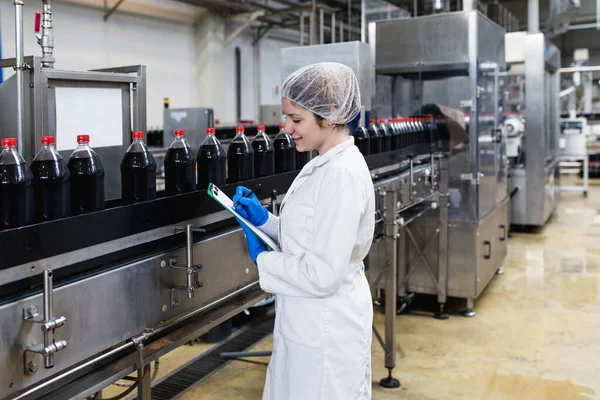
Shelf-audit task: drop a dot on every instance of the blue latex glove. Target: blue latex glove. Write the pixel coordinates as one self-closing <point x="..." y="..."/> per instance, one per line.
<point x="255" y="245"/>
<point x="250" y="207"/>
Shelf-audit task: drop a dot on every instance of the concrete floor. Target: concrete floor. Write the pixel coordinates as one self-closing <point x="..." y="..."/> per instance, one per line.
<point x="536" y="334"/>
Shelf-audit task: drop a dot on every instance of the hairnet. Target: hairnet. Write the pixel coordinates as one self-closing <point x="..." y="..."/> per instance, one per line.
<point x="327" y="89"/>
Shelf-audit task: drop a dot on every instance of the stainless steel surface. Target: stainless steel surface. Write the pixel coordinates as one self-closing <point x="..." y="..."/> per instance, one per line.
<point x="355" y="55"/>
<point x="539" y="61"/>
<point x="193" y="121"/>
<point x="19" y="67"/>
<point x="98" y="322"/>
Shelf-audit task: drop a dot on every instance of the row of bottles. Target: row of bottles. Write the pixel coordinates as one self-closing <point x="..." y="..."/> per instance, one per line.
<point x="396" y="134"/>
<point x="50" y="188"/>
<point x="247" y="159"/>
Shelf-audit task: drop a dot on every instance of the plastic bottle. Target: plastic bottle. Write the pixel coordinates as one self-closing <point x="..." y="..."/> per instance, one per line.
<point x="393" y="126"/>
<point x="362" y="140"/>
<point x="386" y="136"/>
<point x="138" y="172"/>
<point x="212" y="161"/>
<point x="302" y="158"/>
<point x="180" y="166"/>
<point x="240" y="158"/>
<point x="264" y="161"/>
<point x="285" y="152"/>
<point x="87" y="178"/>
<point x="376" y="145"/>
<point x="16" y="193"/>
<point x="51" y="189"/>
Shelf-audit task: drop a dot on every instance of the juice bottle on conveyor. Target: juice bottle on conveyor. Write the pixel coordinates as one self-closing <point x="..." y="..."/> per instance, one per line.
<point x="138" y="172"/>
<point x="180" y="166"/>
<point x="240" y="158"/>
<point x="16" y="193"/>
<point x="264" y="161"/>
<point x="302" y="158"/>
<point x="285" y="152"/>
<point x="393" y="124"/>
<point x="362" y="140"/>
<point x="51" y="189"/>
<point x="375" y="135"/>
<point x="212" y="161"/>
<point x="87" y="178"/>
<point x="386" y="136"/>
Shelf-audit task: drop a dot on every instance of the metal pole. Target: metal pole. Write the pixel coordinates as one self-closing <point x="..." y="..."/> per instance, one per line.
<point x="363" y="21"/>
<point x="468" y="5"/>
<point x="189" y="236"/>
<point x="349" y="20"/>
<point x="19" y="67"/>
<point x="49" y="359"/>
<point x="333" y="27"/>
<point x="302" y="28"/>
<point x="313" y="23"/>
<point x="341" y="30"/>
<point x="415" y="8"/>
<point x="533" y="16"/>
<point x="322" y="25"/>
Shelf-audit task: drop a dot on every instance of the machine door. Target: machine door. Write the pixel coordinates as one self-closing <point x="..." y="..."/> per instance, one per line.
<point x="488" y="134"/>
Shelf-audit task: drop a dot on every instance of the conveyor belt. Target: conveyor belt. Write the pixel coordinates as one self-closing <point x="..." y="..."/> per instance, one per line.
<point x="209" y="362"/>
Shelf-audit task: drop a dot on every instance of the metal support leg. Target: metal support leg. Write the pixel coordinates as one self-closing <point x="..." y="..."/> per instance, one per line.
<point x="586" y="175"/>
<point x="443" y="239"/>
<point x="391" y="286"/>
<point x="469" y="312"/>
<point x="144" y="376"/>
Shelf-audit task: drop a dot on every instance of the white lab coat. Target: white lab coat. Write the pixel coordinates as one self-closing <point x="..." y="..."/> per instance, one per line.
<point x="324" y="313"/>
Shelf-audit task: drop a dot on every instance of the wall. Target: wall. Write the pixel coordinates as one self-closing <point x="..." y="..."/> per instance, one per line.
<point x="84" y="41"/>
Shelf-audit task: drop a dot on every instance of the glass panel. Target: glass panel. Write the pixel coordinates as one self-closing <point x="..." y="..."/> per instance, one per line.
<point x="487" y="110"/>
<point x="513" y="115"/>
<point x="501" y="158"/>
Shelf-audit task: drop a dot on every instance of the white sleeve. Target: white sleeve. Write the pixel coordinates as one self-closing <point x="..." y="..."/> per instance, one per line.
<point x="271" y="227"/>
<point x="321" y="268"/>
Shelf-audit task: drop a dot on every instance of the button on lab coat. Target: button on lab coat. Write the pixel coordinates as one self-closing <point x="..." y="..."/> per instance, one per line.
<point x="324" y="313"/>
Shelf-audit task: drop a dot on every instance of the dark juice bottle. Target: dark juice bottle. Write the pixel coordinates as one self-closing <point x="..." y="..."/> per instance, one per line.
<point x="240" y="158"/>
<point x="362" y="140"/>
<point x="302" y="158"/>
<point x="386" y="136"/>
<point x="138" y="172"/>
<point x="51" y="189"/>
<point x="180" y="166"/>
<point x="212" y="162"/>
<point x="87" y="178"/>
<point x="16" y="193"/>
<point x="285" y="152"/>
<point x="264" y="162"/>
<point x="393" y="127"/>
<point x="375" y="135"/>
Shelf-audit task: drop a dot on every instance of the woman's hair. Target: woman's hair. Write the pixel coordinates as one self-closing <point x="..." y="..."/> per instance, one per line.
<point x="328" y="90"/>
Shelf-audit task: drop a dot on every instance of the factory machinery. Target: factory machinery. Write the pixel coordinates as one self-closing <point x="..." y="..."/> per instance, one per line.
<point x="89" y="299"/>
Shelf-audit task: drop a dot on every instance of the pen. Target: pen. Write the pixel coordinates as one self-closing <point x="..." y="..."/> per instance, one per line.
<point x="248" y="194"/>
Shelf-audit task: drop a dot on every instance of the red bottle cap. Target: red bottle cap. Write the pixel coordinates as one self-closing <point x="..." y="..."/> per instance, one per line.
<point x="382" y="121"/>
<point x="281" y="127"/>
<point x="210" y="131"/>
<point x="371" y="121"/>
<point x="239" y="129"/>
<point x="47" y="140"/>
<point x="137" y="135"/>
<point x="179" y="133"/>
<point x="260" y="128"/>
<point x="9" y="142"/>
<point x="83" y="138"/>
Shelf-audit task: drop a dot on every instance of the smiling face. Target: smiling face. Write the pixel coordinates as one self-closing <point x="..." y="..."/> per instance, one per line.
<point x="303" y="126"/>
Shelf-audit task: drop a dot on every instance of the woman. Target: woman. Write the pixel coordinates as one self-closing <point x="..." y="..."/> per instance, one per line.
<point x="322" y="335"/>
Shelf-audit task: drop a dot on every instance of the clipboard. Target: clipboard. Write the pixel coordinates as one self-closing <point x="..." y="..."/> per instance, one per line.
<point x="227" y="203"/>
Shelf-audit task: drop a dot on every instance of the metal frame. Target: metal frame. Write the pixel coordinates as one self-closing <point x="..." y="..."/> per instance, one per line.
<point x="579" y="161"/>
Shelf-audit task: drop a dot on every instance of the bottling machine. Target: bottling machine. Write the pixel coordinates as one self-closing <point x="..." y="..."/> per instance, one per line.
<point x="532" y="86"/>
<point x="458" y="80"/>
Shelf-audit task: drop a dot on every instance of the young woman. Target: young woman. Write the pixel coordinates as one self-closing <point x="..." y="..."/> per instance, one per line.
<point x="322" y="336"/>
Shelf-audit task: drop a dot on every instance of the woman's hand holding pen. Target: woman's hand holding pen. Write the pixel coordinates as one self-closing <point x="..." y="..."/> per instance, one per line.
<point x="250" y="207"/>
